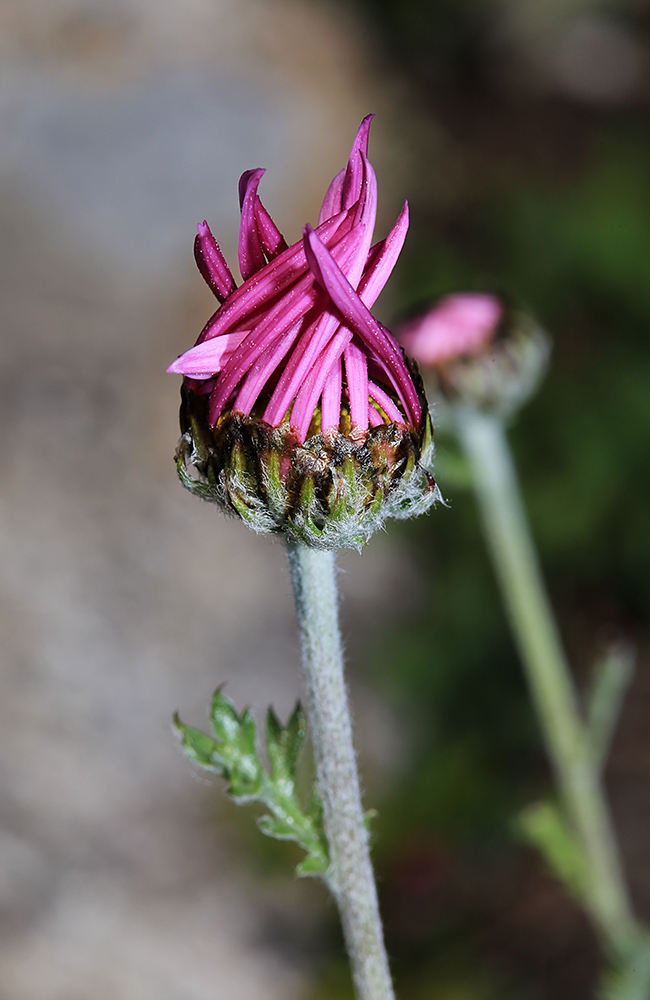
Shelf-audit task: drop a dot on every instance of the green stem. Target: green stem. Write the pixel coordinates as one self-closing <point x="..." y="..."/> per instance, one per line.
<point x="517" y="568"/>
<point x="350" y="875"/>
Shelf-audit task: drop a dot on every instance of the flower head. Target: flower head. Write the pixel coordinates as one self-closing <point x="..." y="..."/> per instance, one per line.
<point x="477" y="352"/>
<point x="293" y="389"/>
<point x="457" y="325"/>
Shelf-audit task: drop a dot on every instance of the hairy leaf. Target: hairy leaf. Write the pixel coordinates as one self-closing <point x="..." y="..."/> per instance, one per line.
<point x="232" y="752"/>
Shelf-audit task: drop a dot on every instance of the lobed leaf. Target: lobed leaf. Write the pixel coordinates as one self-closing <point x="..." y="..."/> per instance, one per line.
<point x="233" y="754"/>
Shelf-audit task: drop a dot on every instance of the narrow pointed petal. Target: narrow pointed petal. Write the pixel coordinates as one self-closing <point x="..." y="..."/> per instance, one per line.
<point x="374" y="417"/>
<point x="274" y="325"/>
<point x="251" y="255"/>
<point x="272" y="281"/>
<point x="212" y="264"/>
<point x="382" y="259"/>
<point x="354" y="170"/>
<point x="357" y="316"/>
<point x="356" y="371"/>
<point x="332" y="200"/>
<point x="348" y="182"/>
<point x="367" y="202"/>
<point x="298" y="367"/>
<point x="206" y="359"/>
<point x="386" y="403"/>
<point x="312" y="342"/>
<point x="295" y="303"/>
<point x="244" y="181"/>
<point x="330" y="412"/>
<point x="260" y="373"/>
<point x="272" y="240"/>
<point x="311" y="389"/>
<point x="365" y="216"/>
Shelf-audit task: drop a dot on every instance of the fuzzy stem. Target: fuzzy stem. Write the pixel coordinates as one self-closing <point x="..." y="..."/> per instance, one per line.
<point x="350" y="875"/>
<point x="517" y="568"/>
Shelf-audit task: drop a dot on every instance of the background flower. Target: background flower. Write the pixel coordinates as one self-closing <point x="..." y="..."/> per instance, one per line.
<point x="459" y="324"/>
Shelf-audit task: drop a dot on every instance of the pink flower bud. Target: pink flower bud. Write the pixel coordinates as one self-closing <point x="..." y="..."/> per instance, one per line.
<point x="458" y="324"/>
<point x="293" y="364"/>
<point x="476" y="352"/>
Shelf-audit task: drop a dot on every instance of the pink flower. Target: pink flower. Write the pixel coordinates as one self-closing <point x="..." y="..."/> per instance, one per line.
<point x="478" y="352"/>
<point x="300" y="413"/>
<point x="457" y="325"/>
<point x="296" y="341"/>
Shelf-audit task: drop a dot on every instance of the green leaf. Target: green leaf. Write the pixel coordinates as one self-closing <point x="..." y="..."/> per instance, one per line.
<point x="544" y="827"/>
<point x="237" y="747"/>
<point x="312" y="865"/>
<point x="234" y="754"/>
<point x="199" y="747"/>
<point x="283" y="745"/>
<point x="279" y="829"/>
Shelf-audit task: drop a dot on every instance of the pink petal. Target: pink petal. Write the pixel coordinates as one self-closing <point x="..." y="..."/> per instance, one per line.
<point x="330" y="415"/>
<point x="251" y="256"/>
<point x="212" y="264"/>
<point x="374" y="417"/>
<point x="244" y="181"/>
<point x="206" y="359"/>
<point x="367" y="201"/>
<point x="272" y="240"/>
<point x="386" y="403"/>
<point x="354" y="170"/>
<point x="360" y="320"/>
<point x="332" y="200"/>
<point x="311" y="389"/>
<point x="259" y="375"/>
<point x="382" y="259"/>
<point x="356" y="371"/>
<point x="272" y="281"/>
<point x="365" y="217"/>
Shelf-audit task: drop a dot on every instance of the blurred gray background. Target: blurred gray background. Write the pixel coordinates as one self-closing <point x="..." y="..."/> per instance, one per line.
<point x="123" y="123"/>
<point x="518" y="130"/>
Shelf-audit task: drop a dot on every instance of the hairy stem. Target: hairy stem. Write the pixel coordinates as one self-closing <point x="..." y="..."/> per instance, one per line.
<point x="578" y="775"/>
<point x="350" y="876"/>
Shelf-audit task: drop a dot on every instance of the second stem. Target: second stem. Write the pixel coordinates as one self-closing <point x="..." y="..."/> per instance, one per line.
<point x="515" y="561"/>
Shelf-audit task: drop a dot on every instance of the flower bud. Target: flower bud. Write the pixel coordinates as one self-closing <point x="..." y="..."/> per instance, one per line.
<point x="300" y="412"/>
<point x="477" y="352"/>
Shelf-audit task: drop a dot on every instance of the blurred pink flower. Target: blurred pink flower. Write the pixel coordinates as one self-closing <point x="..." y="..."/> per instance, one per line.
<point x="298" y="331"/>
<point x="457" y="325"/>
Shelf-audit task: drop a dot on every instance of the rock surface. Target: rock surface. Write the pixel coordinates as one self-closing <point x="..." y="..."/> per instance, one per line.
<point x="123" y="598"/>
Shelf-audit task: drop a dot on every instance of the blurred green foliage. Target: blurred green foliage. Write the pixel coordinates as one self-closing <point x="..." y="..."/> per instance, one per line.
<point x="469" y="911"/>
